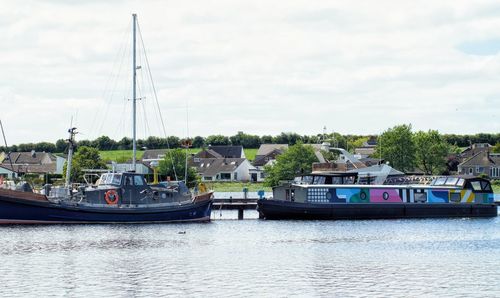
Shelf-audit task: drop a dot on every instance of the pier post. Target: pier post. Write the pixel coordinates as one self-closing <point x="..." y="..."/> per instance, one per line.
<point x="240" y="213"/>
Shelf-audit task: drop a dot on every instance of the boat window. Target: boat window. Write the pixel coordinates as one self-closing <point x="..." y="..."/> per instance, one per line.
<point x="451" y="181"/>
<point x="103" y="179"/>
<point x="485" y="185"/>
<point x="138" y="180"/>
<point x="307" y="179"/>
<point x="461" y="182"/>
<point x="107" y="179"/>
<point x="349" y="180"/>
<point x="128" y="180"/>
<point x="476" y="185"/>
<point x="297" y="179"/>
<point x="117" y="179"/>
<point x="319" y="180"/>
<point x="336" y="180"/>
<point x="440" y="181"/>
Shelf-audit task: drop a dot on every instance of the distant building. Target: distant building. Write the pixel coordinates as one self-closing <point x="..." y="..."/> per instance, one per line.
<point x="222" y="169"/>
<point x="483" y="162"/>
<point x="267" y="153"/>
<point x="474" y="149"/>
<point x="222" y="152"/>
<point x="367" y="150"/>
<point x="33" y="163"/>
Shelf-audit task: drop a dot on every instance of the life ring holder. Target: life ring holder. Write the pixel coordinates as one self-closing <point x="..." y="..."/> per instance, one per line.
<point x="111" y="197"/>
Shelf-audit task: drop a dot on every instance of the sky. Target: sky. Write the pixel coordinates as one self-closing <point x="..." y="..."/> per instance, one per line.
<point x="261" y="67"/>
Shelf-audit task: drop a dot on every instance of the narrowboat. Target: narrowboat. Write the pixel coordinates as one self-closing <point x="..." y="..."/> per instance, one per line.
<point x="342" y="196"/>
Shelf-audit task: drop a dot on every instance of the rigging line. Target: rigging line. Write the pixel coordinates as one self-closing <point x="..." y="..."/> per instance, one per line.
<point x="157" y="103"/>
<point x="6" y="148"/>
<point x="126" y="51"/>
<point x="142" y="97"/>
<point x="111" y="76"/>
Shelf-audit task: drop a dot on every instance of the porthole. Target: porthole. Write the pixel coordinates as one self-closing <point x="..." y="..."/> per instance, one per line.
<point x="385" y="195"/>
<point x="362" y="195"/>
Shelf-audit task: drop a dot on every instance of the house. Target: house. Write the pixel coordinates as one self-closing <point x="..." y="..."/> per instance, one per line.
<point x="33" y="162"/>
<point x="154" y="155"/>
<point x="367" y="150"/>
<point x="7" y="172"/>
<point x="222" y="152"/>
<point x="222" y="169"/>
<point x="474" y="149"/>
<point x="483" y="162"/>
<point x="268" y="153"/>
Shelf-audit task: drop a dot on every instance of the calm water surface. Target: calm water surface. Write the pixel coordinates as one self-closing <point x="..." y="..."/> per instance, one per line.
<point x="227" y="258"/>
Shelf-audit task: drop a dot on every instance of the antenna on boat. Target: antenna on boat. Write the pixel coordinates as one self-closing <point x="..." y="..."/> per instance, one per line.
<point x="134" y="71"/>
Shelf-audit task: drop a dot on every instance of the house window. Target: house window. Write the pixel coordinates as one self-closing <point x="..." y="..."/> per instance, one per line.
<point x="207" y="178"/>
<point x="235" y="175"/>
<point x="262" y="175"/>
<point x="225" y="176"/>
<point x="471" y="171"/>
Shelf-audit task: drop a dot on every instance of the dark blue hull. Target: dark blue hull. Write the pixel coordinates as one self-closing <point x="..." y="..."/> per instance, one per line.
<point x="28" y="211"/>
<point x="276" y="209"/>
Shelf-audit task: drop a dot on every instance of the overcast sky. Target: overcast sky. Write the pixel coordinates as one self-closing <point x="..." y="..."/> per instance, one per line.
<point x="261" y="67"/>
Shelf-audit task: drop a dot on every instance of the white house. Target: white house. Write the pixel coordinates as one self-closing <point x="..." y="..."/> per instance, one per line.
<point x="222" y="169"/>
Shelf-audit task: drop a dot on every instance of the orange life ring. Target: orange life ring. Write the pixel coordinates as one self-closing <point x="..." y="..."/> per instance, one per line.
<point x="111" y="197"/>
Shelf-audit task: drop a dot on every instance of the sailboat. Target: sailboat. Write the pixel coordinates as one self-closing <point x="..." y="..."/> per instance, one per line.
<point x="118" y="198"/>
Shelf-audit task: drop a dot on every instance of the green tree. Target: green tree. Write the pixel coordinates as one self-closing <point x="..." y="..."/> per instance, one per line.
<point x="175" y="163"/>
<point x="396" y="146"/>
<point x="216" y="140"/>
<point x="84" y="158"/>
<point x="496" y="148"/>
<point x="198" y="142"/>
<point x="356" y="142"/>
<point x="431" y="151"/>
<point x="298" y="159"/>
<point x="61" y="145"/>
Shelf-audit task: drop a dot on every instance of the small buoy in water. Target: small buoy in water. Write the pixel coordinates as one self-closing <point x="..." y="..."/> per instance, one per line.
<point x="182" y="232"/>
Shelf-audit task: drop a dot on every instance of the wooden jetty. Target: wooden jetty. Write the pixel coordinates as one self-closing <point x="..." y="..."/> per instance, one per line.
<point x="239" y="204"/>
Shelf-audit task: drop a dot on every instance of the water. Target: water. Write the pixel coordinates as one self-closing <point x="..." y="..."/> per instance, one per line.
<point x="227" y="258"/>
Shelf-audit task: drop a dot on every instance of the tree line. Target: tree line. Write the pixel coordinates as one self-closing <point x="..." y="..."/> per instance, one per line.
<point x="105" y="143"/>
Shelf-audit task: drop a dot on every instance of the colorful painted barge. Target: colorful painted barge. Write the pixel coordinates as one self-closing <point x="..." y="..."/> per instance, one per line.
<point x="339" y="196"/>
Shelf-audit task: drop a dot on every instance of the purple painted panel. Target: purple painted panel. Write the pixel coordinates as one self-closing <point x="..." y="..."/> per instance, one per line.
<point x="385" y="196"/>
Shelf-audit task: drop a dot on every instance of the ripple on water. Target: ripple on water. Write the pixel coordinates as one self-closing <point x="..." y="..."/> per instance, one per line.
<point x="254" y="258"/>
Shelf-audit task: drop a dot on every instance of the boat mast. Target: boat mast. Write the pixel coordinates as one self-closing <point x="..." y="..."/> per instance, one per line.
<point x="134" y="70"/>
<point x="71" y="143"/>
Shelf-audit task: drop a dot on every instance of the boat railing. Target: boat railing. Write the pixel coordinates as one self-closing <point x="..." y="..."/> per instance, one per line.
<point x="407" y="180"/>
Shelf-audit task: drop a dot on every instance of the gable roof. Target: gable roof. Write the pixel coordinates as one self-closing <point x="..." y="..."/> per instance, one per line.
<point x="228" y="151"/>
<point x="154" y="154"/>
<point x="266" y="149"/>
<point x="208" y="153"/>
<point x="482" y="158"/>
<point x="213" y="166"/>
<point x="31" y="168"/>
<point x="31" y="158"/>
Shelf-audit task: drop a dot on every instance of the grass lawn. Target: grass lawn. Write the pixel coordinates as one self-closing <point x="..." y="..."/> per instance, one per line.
<point x="236" y="186"/>
<point x="124" y="155"/>
<point x="250" y="153"/>
<point x="119" y="155"/>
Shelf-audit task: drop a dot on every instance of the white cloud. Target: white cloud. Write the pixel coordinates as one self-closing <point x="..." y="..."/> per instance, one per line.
<point x="261" y="67"/>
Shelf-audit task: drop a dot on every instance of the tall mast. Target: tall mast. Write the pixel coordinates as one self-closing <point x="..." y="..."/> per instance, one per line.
<point x="71" y="143"/>
<point x="134" y="70"/>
